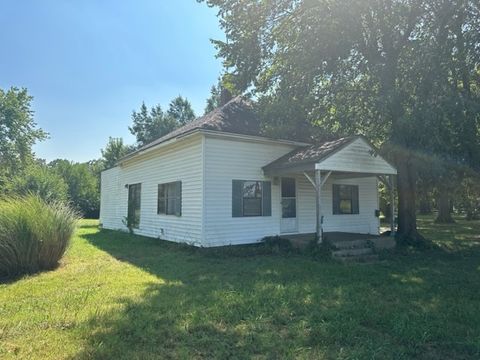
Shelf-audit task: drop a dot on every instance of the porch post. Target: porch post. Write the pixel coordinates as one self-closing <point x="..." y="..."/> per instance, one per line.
<point x="392" y="205"/>
<point x="318" y="202"/>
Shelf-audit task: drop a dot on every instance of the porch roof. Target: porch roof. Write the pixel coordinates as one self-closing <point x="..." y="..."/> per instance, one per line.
<point x="336" y="156"/>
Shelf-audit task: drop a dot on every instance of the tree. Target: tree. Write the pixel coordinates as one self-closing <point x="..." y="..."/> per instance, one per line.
<point x="213" y="101"/>
<point x="221" y="93"/>
<point x="468" y="196"/>
<point x="82" y="186"/>
<point x="403" y="72"/>
<point x="151" y="125"/>
<point x="114" y="151"/>
<point x="181" y="111"/>
<point x="38" y="179"/>
<point x="18" y="133"/>
<point x="148" y="126"/>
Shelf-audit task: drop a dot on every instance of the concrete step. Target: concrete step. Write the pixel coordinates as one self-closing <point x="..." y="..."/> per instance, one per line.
<point x="358" y="259"/>
<point x="351" y="244"/>
<point x="352" y="252"/>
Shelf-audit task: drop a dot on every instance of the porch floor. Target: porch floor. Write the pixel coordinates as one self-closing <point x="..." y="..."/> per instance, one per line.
<point x="302" y="240"/>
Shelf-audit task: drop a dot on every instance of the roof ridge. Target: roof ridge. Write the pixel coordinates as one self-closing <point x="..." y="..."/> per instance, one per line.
<point x="224" y="118"/>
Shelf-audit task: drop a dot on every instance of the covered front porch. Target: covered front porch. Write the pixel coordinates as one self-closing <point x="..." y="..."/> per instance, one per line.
<point x="343" y="177"/>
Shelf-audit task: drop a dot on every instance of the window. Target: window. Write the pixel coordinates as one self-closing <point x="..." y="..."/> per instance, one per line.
<point x="170" y="198"/>
<point x="289" y="200"/>
<point x="251" y="198"/>
<point x="133" y="211"/>
<point x="345" y="199"/>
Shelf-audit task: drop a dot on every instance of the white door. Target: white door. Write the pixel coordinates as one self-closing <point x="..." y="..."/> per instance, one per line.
<point x="288" y="222"/>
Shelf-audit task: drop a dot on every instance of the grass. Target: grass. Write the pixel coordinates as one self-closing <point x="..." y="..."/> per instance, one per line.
<point x="127" y="297"/>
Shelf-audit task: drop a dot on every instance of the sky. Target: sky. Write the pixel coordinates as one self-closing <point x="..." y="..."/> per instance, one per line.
<point x="90" y="63"/>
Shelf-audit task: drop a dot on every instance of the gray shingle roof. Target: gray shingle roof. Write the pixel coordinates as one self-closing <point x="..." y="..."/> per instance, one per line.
<point x="310" y="154"/>
<point x="236" y="116"/>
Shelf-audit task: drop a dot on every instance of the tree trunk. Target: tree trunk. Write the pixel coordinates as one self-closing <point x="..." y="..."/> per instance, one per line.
<point x="444" y="208"/>
<point x="406" y="187"/>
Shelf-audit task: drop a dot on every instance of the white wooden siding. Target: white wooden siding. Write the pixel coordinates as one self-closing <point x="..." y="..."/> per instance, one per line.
<point x="226" y="160"/>
<point x="206" y="165"/>
<point x="364" y="223"/>
<point x="181" y="161"/>
<point x="357" y="157"/>
<point x="110" y="206"/>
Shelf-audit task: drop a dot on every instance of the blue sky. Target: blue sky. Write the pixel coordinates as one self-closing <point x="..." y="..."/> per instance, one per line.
<point x="89" y="63"/>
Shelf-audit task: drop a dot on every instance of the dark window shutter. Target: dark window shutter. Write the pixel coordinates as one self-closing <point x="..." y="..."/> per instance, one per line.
<point x="267" y="198"/>
<point x="355" y="207"/>
<point x="178" y="198"/>
<point x="336" y="199"/>
<point x="237" y="198"/>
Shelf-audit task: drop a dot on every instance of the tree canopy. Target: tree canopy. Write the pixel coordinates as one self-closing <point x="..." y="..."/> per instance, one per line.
<point x="82" y="186"/>
<point x="114" y="151"/>
<point x="181" y="111"/>
<point x="403" y="72"/>
<point x="149" y="125"/>
<point x="18" y="133"/>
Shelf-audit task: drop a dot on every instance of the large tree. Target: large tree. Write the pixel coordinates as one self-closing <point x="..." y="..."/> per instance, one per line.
<point x="149" y="125"/>
<point x="39" y="179"/>
<point x="82" y="186"/>
<point x="403" y="72"/>
<point x="114" y="151"/>
<point x="18" y="133"/>
<point x="213" y="101"/>
<point x="181" y="110"/>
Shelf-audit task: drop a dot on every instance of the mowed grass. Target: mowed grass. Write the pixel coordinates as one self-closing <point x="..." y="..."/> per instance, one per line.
<point x="128" y="297"/>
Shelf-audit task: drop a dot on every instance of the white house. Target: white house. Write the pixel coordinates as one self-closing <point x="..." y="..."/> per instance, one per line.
<point x="217" y="182"/>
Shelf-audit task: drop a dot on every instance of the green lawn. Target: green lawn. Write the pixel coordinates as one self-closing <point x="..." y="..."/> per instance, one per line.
<point x="128" y="297"/>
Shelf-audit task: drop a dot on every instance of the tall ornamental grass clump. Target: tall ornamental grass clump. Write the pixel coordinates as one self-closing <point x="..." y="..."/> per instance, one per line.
<point x="34" y="234"/>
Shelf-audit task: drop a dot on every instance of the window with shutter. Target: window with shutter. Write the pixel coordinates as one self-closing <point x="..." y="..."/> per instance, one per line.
<point x="251" y="198"/>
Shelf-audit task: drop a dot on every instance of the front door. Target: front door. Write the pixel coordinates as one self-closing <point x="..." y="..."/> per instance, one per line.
<point x="288" y="222"/>
<point x="134" y="196"/>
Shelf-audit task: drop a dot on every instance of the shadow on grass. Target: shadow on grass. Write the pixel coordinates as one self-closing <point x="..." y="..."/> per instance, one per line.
<point x="214" y="306"/>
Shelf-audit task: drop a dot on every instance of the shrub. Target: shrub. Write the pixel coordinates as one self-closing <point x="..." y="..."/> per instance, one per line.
<point x="34" y="234"/>
<point x="278" y="244"/>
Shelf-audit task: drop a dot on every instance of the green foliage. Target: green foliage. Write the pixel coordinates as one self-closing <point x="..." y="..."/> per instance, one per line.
<point x="114" y="151"/>
<point x="18" y="133"/>
<point x="38" y="179"/>
<point x="34" y="234"/>
<point x="277" y="244"/>
<point x="150" y="125"/>
<point x="322" y="252"/>
<point x="213" y="101"/>
<point x="467" y="198"/>
<point x="119" y="296"/>
<point x="83" y="185"/>
<point x="181" y="111"/>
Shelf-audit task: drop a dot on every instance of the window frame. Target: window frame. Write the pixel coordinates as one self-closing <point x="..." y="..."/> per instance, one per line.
<point x="134" y="193"/>
<point x="167" y="198"/>
<point x="260" y="198"/>
<point x="264" y="198"/>
<point x="337" y="198"/>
